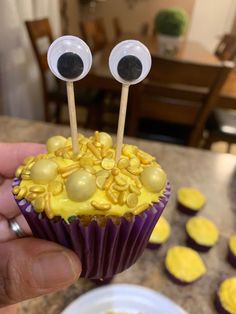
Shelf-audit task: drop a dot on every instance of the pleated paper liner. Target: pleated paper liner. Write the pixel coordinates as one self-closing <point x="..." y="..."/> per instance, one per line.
<point x="103" y="250"/>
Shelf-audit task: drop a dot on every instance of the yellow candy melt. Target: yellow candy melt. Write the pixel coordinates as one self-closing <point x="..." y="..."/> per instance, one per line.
<point x="91" y="182"/>
<point x="227" y="295"/>
<point x="153" y="178"/>
<point x="202" y="231"/>
<point x="55" y="143"/>
<point x="191" y="198"/>
<point x="232" y="244"/>
<point x="184" y="264"/>
<point x="161" y="231"/>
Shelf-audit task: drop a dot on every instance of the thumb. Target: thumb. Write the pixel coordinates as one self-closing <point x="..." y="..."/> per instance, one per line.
<point x="30" y="267"/>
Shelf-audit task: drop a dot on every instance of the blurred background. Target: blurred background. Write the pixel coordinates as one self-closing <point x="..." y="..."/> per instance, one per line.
<point x="189" y="97"/>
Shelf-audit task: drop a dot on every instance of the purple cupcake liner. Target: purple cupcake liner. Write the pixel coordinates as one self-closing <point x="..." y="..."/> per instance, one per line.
<point x="103" y="251"/>
<point x="196" y="246"/>
<point x="232" y="258"/>
<point x="186" y="210"/>
<point x="154" y="246"/>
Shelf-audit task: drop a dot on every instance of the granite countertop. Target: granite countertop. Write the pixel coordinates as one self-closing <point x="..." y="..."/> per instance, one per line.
<point x="214" y="174"/>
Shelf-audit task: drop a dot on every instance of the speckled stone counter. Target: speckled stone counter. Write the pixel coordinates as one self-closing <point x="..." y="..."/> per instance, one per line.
<point x="214" y="174"/>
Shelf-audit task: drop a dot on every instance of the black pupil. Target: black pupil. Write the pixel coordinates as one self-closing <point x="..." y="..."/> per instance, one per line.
<point x="129" y="68"/>
<point x="70" y="65"/>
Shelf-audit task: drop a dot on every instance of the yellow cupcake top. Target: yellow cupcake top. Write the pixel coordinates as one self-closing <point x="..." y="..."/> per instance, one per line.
<point x="202" y="230"/>
<point x="63" y="184"/>
<point x="161" y="232"/>
<point x="191" y="198"/>
<point x="232" y="244"/>
<point x="184" y="264"/>
<point x="227" y="295"/>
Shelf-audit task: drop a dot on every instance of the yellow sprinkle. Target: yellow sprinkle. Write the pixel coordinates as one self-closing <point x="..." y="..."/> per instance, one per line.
<point x="122" y="197"/>
<point x="16" y="190"/>
<point x="109" y="154"/>
<point x="138" y="183"/>
<point x="98" y="145"/>
<point x="141" y="208"/>
<point x="28" y="160"/>
<point x="120" y="187"/>
<point x="19" y="171"/>
<point x="115" y="171"/>
<point x="134" y="189"/>
<point x="94" y="150"/>
<point x="25" y="177"/>
<point x="85" y="161"/>
<point x="97" y="162"/>
<point x="39" y="204"/>
<point x="134" y="162"/>
<point x="97" y="136"/>
<point x="21" y="194"/>
<point x="119" y="180"/>
<point x="144" y="157"/>
<point x="101" y="206"/>
<point x="68" y="168"/>
<point x="135" y="171"/>
<point x="30" y="165"/>
<point x="129" y="150"/>
<point x="123" y="163"/>
<point x="90" y="169"/>
<point x="108" y="182"/>
<point x="108" y="164"/>
<point x="37" y="189"/>
<point x="103" y="173"/>
<point x="68" y="173"/>
<point x="100" y="181"/>
<point x="128" y="174"/>
<point x="55" y="187"/>
<point x="31" y="196"/>
<point x="104" y="152"/>
<point x="112" y="196"/>
<point x="132" y="200"/>
<point x="48" y="208"/>
<point x="26" y="172"/>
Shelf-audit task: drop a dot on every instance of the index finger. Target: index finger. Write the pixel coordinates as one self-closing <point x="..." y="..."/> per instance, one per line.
<point x="12" y="155"/>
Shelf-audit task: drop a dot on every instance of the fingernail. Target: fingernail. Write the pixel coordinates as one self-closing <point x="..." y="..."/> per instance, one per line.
<point x="54" y="270"/>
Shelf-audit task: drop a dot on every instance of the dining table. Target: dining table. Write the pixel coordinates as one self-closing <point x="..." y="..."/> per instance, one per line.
<point x="214" y="174"/>
<point x="192" y="51"/>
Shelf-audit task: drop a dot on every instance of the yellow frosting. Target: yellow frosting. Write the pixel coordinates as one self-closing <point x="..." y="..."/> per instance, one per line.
<point x="202" y="231"/>
<point x="191" y="198"/>
<point x="161" y="231"/>
<point x="184" y="264"/>
<point x="232" y="244"/>
<point x="91" y="182"/>
<point x="227" y="295"/>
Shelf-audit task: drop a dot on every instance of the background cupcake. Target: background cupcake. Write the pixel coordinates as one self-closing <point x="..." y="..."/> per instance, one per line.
<point x="226" y="297"/>
<point x="103" y="210"/>
<point x="202" y="234"/>
<point x="190" y="201"/>
<point x="232" y="251"/>
<point x="160" y="234"/>
<point x="184" y="265"/>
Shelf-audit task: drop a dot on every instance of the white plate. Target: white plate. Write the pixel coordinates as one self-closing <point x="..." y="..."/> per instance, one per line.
<point x="123" y="298"/>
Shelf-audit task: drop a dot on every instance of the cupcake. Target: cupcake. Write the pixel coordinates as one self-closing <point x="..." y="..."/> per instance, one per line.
<point x="160" y="234"/>
<point x="184" y="265"/>
<point x="226" y="297"/>
<point x="232" y="251"/>
<point x="102" y="209"/>
<point x="202" y="233"/>
<point x="190" y="201"/>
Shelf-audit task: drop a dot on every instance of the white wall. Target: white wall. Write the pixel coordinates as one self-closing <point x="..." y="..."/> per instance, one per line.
<point x="211" y="19"/>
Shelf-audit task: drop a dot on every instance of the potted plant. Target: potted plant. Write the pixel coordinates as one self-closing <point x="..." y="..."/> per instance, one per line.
<point x="170" y="25"/>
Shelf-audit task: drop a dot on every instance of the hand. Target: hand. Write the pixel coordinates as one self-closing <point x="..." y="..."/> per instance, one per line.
<point x="29" y="267"/>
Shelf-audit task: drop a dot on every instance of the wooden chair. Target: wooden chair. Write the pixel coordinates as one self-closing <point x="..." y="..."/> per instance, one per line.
<point x="178" y="92"/>
<point x="54" y="90"/>
<point x="221" y="126"/>
<point x="117" y="27"/>
<point x="226" y="49"/>
<point x="93" y="32"/>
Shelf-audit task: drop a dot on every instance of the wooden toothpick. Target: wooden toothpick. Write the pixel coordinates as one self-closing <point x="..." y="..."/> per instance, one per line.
<point x="121" y="121"/>
<point x="72" y="116"/>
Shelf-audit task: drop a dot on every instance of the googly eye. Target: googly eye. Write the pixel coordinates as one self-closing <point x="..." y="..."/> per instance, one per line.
<point x="69" y="58"/>
<point x="130" y="62"/>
